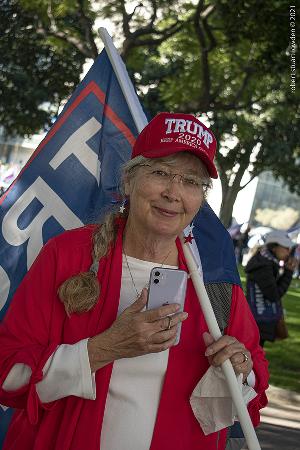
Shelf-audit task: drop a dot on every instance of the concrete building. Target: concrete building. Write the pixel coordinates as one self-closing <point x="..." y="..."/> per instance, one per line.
<point x="274" y="205"/>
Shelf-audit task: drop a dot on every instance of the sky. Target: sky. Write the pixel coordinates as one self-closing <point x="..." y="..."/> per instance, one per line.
<point x="243" y="204"/>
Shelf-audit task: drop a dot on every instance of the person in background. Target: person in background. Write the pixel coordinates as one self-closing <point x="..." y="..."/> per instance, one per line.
<point x="242" y="244"/>
<point x="267" y="283"/>
<point x="296" y="254"/>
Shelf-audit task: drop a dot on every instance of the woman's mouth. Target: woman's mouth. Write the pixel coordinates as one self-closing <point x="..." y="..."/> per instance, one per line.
<point x="166" y="212"/>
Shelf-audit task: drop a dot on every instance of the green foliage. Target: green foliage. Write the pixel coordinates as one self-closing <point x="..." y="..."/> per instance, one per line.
<point x="287" y="353"/>
<point x="280" y="143"/>
<point x="37" y="73"/>
<point x="228" y="61"/>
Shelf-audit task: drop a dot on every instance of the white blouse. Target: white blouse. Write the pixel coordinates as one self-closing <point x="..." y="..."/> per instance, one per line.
<point x="135" y="385"/>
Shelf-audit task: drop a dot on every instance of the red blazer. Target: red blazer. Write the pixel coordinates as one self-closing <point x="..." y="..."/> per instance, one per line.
<point x="36" y="323"/>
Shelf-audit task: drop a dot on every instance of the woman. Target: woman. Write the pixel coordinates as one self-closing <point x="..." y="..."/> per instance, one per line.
<point x="266" y="285"/>
<point x="85" y="363"/>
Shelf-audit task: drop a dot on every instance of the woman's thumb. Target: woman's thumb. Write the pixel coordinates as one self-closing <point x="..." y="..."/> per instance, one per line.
<point x="140" y="302"/>
<point x="208" y="339"/>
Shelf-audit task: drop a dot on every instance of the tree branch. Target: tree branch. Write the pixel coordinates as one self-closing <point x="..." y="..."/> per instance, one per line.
<point x="125" y="20"/>
<point x="148" y="29"/>
<point x="134" y="10"/>
<point x="205" y="15"/>
<point x="206" y="88"/>
<point x="251" y="178"/>
<point x="88" y="29"/>
<point x="91" y="50"/>
<point x="154" y="15"/>
<point x="67" y="38"/>
<point x="133" y="41"/>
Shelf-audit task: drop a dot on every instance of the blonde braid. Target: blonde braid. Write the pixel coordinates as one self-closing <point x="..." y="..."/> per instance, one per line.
<point x="80" y="293"/>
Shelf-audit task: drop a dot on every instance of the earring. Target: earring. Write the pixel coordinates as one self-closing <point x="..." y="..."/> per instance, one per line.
<point x="123" y="206"/>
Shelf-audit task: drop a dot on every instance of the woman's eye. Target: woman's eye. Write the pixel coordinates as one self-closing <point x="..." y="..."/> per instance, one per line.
<point x="191" y="181"/>
<point x="160" y="173"/>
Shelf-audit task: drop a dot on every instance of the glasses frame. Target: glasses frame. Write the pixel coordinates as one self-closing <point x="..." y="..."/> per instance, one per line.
<point x="202" y="185"/>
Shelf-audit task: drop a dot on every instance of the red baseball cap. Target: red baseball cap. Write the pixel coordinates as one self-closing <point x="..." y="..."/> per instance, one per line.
<point x="169" y="133"/>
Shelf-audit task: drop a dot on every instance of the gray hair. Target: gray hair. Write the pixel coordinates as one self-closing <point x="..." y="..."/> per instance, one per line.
<point x="129" y="170"/>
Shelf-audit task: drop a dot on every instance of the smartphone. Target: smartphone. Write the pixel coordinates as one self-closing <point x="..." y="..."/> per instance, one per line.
<point x="167" y="286"/>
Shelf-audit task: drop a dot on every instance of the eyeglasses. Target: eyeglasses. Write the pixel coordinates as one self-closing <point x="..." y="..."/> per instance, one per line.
<point x="189" y="182"/>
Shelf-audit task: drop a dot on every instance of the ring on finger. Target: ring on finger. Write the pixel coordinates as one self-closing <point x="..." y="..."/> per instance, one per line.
<point x="170" y="323"/>
<point x="246" y="357"/>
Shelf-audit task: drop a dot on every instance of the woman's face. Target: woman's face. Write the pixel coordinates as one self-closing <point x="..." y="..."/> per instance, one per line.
<point x="281" y="253"/>
<point x="161" y="204"/>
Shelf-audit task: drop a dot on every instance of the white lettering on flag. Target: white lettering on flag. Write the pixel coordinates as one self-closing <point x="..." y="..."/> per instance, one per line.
<point x="53" y="206"/>
<point x="5" y="287"/>
<point x="76" y="145"/>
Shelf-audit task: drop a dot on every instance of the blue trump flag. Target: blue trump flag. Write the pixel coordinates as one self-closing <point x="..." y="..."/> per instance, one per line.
<point x="69" y="179"/>
<point x="215" y="248"/>
<point x="73" y="176"/>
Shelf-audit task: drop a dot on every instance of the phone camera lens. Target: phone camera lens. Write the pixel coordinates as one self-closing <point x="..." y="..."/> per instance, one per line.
<point x="156" y="281"/>
<point x="157" y="274"/>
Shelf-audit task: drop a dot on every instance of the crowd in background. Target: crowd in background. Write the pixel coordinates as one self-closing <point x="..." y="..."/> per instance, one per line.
<point x="8" y="172"/>
<point x="246" y="240"/>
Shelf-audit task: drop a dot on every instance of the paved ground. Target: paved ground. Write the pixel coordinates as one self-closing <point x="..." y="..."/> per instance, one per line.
<point x="280" y="427"/>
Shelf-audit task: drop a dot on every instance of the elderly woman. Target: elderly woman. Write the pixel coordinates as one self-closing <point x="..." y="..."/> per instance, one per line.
<point x="82" y="360"/>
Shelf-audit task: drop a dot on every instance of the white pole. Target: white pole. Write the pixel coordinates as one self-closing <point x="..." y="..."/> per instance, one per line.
<point x="123" y="78"/>
<point x="141" y="121"/>
<point x="227" y="368"/>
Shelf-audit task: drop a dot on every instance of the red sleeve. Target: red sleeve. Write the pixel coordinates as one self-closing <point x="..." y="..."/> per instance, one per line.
<point x="243" y="326"/>
<point x="27" y="333"/>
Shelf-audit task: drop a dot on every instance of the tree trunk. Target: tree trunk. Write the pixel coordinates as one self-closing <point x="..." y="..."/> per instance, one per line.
<point x="228" y="200"/>
<point x="229" y="193"/>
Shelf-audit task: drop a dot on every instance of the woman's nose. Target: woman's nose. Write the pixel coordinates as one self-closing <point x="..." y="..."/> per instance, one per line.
<point x="173" y="177"/>
<point x="172" y="190"/>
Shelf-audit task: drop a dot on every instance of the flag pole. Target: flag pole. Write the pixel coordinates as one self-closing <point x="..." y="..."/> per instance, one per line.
<point x="214" y="330"/>
<point x="119" y="67"/>
<point x="141" y="121"/>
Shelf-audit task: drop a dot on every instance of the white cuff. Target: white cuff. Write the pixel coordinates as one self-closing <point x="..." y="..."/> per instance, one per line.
<point x="18" y="376"/>
<point x="67" y="372"/>
<point x="251" y="379"/>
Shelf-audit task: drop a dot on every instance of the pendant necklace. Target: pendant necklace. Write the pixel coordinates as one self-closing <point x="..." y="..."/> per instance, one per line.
<point x="147" y="285"/>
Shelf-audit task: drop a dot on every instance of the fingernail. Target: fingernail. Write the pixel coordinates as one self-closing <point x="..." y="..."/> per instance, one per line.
<point x="208" y="352"/>
<point x="185" y="315"/>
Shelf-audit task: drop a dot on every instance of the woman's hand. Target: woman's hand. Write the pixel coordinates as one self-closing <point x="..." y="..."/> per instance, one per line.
<point x="136" y="332"/>
<point x="228" y="347"/>
<point x="291" y="263"/>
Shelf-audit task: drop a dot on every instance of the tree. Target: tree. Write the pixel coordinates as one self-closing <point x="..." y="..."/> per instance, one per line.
<point x="42" y="50"/>
<point x="36" y="75"/>
<point x="197" y="56"/>
<point x="239" y="77"/>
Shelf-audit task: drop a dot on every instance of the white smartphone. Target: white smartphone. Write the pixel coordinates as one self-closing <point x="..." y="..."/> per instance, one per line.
<point x="167" y="286"/>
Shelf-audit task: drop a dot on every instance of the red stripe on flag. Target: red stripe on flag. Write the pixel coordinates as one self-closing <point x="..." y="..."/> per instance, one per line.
<point x="91" y="88"/>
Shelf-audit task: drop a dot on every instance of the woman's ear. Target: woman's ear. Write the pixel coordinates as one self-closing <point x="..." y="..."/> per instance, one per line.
<point x="127" y="187"/>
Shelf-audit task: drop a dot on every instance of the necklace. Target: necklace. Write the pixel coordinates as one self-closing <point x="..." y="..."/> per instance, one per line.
<point x="133" y="283"/>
